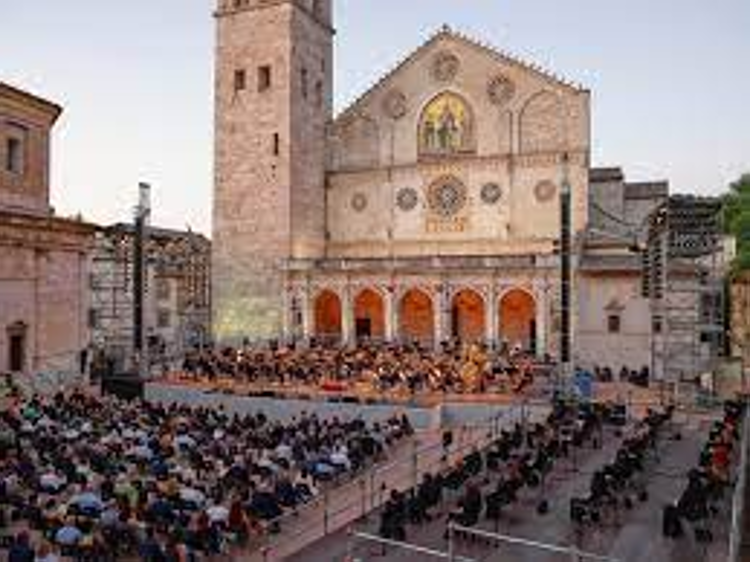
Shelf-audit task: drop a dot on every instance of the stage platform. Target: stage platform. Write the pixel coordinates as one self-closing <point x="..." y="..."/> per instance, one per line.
<point x="426" y="410"/>
<point x="283" y="406"/>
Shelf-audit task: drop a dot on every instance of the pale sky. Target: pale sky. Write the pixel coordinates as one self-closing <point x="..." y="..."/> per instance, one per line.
<point x="670" y="82"/>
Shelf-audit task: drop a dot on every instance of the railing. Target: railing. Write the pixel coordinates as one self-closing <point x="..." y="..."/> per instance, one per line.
<point x="342" y="504"/>
<point x="572" y="552"/>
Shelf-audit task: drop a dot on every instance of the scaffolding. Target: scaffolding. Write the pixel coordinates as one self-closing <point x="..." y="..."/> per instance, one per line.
<point x="684" y="279"/>
<point x="178" y="261"/>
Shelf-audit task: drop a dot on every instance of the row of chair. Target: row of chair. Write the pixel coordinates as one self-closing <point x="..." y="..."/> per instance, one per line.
<point x="619" y="483"/>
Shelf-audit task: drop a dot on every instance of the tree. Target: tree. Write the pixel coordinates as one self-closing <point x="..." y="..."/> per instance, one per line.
<point x="736" y="216"/>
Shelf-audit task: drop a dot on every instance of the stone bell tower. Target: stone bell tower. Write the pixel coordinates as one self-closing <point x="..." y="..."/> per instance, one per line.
<point x="273" y="101"/>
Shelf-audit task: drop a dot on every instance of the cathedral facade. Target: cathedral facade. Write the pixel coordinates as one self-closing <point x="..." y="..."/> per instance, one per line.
<point x="428" y="209"/>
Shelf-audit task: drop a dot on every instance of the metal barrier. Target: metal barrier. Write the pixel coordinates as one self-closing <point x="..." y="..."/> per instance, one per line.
<point x="738" y="499"/>
<point x="572" y="552"/>
<point x="340" y="505"/>
<point x="374" y="539"/>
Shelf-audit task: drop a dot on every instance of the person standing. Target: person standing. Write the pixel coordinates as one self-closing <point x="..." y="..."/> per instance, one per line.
<point x="20" y="550"/>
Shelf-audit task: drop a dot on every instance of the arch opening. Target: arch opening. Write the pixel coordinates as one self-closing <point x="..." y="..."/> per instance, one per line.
<point x="417" y="317"/>
<point x="468" y="316"/>
<point x="446" y="126"/>
<point x="328" y="315"/>
<point x="517" y="320"/>
<point x="369" y="315"/>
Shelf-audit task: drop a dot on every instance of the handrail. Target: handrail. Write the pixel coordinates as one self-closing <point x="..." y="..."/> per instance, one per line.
<point x="411" y="547"/>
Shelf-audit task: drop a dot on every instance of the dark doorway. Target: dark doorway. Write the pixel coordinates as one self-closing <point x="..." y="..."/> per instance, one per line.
<point x="16" y="352"/>
<point x="363" y="327"/>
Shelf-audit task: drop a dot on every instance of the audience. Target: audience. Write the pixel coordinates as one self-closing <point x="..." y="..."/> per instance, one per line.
<point x="104" y="477"/>
<point x="708" y="481"/>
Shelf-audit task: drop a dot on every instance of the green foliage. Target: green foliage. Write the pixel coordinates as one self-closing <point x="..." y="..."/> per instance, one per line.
<point x="737" y="219"/>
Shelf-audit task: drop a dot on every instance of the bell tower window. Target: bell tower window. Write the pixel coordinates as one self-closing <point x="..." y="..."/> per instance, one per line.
<point x="15" y="147"/>
<point x="264" y="78"/>
<point x="240" y="80"/>
<point x="303" y="82"/>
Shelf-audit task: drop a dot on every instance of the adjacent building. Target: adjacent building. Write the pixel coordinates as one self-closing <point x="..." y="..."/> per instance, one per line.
<point x="177" y="292"/>
<point x="43" y="258"/>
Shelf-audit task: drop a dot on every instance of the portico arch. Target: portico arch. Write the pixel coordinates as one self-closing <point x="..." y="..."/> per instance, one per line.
<point x="328" y="315"/>
<point x="467" y="316"/>
<point x="417" y="316"/>
<point x="369" y="314"/>
<point x="517" y="319"/>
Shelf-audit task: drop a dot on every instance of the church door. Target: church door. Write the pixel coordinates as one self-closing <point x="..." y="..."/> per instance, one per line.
<point x="364" y="328"/>
<point x="16" y="352"/>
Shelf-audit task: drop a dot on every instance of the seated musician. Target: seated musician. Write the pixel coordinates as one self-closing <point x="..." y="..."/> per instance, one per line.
<point x="469" y="507"/>
<point x="393" y="518"/>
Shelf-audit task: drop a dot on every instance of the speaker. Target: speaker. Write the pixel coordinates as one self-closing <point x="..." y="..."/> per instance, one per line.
<point x="126" y="386"/>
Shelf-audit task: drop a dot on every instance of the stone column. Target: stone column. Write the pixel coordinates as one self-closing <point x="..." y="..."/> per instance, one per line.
<point x="441" y="311"/>
<point x="391" y="315"/>
<point x="287" y="322"/>
<point x="348" y="333"/>
<point x="308" y="315"/>
<point x="490" y="315"/>
<point x="541" y="298"/>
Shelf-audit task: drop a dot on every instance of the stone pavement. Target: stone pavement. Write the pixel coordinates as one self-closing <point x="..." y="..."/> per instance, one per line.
<point x="635" y="535"/>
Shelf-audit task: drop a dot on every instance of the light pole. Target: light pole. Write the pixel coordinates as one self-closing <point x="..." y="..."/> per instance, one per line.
<point x="565" y="273"/>
<point x="140" y="260"/>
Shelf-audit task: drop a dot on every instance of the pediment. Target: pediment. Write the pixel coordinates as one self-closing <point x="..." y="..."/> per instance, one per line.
<point x="454" y="62"/>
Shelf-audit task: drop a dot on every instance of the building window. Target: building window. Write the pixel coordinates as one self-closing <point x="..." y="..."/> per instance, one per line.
<point x="656" y="325"/>
<point x="264" y="78"/>
<point x="303" y="82"/>
<point x="14" y="155"/>
<point x="613" y="323"/>
<point x="319" y="93"/>
<point x="276" y="144"/>
<point x="163" y="319"/>
<point x="16" y="347"/>
<point x="93" y="318"/>
<point x="240" y="80"/>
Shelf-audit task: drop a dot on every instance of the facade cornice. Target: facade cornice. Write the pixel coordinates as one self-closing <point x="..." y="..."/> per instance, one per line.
<point x="48" y="233"/>
<point x="576" y="156"/>
<point x="22" y="97"/>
